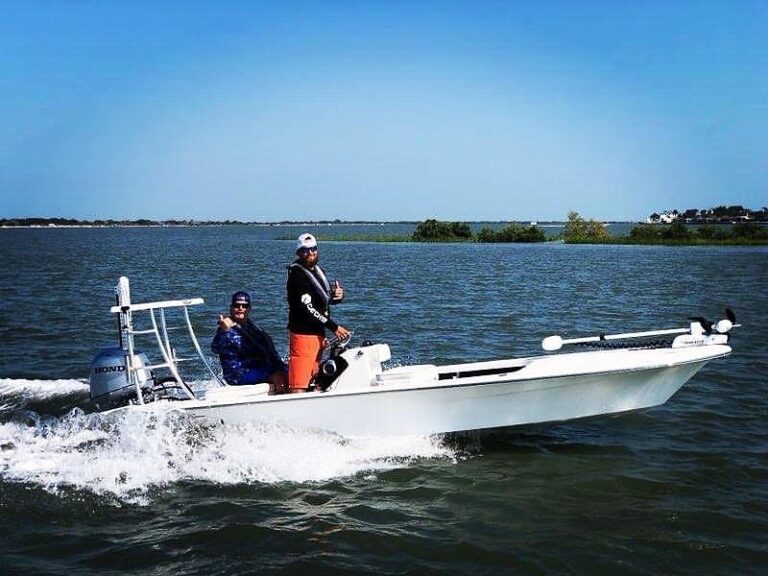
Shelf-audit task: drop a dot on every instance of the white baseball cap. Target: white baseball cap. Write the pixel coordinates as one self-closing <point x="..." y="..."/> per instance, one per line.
<point x="306" y="240"/>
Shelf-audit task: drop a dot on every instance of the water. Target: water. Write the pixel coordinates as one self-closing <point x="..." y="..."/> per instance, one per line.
<point x="678" y="489"/>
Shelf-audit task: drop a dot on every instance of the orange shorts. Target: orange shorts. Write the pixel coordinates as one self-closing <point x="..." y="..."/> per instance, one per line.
<point x="305" y="351"/>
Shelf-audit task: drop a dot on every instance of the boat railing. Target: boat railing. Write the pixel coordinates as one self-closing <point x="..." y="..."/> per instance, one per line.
<point x="160" y="329"/>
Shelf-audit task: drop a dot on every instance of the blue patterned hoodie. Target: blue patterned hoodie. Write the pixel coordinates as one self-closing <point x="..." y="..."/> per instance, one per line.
<point x="247" y="354"/>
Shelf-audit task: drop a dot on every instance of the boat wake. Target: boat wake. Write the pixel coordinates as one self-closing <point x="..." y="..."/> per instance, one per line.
<point x="41" y="396"/>
<point x="129" y="458"/>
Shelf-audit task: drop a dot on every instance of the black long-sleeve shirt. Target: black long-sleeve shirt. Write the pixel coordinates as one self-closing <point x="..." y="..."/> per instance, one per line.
<point x="309" y="301"/>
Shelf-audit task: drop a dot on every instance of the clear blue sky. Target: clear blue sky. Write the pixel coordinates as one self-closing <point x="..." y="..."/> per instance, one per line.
<point x="381" y="110"/>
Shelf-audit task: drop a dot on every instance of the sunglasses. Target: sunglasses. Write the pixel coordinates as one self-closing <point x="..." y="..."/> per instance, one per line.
<point x="240" y="305"/>
<point x="307" y="250"/>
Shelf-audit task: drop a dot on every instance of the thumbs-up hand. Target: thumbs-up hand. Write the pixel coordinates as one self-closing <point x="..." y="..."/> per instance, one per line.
<point x="338" y="291"/>
<point x="225" y="322"/>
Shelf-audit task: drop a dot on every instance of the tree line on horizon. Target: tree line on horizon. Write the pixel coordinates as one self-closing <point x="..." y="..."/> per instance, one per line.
<point x="37" y="221"/>
<point x="106" y="223"/>
<point x="718" y="214"/>
<point x="433" y="230"/>
<point x="578" y="230"/>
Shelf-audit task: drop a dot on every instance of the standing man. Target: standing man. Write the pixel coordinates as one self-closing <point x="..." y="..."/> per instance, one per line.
<point x="309" y="299"/>
<point x="246" y="352"/>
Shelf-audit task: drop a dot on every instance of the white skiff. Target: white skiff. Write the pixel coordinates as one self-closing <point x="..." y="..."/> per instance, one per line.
<point x="357" y="395"/>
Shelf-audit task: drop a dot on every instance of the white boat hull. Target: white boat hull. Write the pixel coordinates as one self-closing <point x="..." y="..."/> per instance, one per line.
<point x="535" y="390"/>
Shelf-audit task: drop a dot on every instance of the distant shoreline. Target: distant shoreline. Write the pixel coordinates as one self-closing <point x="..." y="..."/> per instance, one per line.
<point x="659" y="234"/>
<point x="175" y="223"/>
<point x="69" y="223"/>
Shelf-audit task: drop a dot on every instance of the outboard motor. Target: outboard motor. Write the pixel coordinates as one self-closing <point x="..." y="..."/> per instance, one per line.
<point x="109" y="383"/>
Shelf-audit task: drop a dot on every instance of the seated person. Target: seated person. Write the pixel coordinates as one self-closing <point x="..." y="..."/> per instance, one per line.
<point x="246" y="352"/>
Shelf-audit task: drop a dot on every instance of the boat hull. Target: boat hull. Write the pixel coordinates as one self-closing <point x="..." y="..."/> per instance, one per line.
<point x="471" y="403"/>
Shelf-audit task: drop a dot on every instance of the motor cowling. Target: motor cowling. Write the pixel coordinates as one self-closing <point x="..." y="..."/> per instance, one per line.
<point x="108" y="380"/>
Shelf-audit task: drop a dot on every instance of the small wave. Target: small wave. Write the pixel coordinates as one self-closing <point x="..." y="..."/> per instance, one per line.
<point x="41" y="389"/>
<point x="45" y="396"/>
<point x="130" y="456"/>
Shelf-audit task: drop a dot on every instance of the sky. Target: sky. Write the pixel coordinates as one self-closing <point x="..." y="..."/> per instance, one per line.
<point x="389" y="110"/>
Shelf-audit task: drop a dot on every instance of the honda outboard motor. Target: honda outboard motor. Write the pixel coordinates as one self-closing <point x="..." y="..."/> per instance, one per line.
<point x="109" y="381"/>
